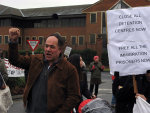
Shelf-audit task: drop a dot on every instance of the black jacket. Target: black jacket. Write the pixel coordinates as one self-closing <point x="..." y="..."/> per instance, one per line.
<point x="124" y="93"/>
<point x="144" y="87"/>
<point x="84" y="85"/>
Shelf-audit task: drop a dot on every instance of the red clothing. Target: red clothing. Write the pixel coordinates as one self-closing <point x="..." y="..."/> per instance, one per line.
<point x="112" y="77"/>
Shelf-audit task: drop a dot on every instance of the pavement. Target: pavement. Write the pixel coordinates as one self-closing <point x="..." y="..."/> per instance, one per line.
<point x="15" y="97"/>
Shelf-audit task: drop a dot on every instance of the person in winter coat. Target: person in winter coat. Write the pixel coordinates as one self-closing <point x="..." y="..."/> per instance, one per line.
<point x="52" y="83"/>
<point x="124" y="93"/>
<point x="77" y="61"/>
<point x="95" y="67"/>
<point x="113" y="100"/>
<point x="145" y="93"/>
<point x="3" y="71"/>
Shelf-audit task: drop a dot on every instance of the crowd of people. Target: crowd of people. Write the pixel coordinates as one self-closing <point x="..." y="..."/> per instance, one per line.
<point x="56" y="84"/>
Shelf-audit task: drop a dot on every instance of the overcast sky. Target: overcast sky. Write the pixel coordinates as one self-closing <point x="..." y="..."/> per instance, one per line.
<point x="23" y="4"/>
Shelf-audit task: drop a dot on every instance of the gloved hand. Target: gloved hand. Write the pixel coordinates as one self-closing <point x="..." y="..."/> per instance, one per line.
<point x="102" y="67"/>
<point x="93" y="67"/>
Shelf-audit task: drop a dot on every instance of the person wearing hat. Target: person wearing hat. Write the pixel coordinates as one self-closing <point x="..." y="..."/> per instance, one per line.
<point x="95" y="68"/>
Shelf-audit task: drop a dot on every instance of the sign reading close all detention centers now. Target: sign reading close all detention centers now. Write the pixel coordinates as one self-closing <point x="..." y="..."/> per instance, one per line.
<point x="129" y="40"/>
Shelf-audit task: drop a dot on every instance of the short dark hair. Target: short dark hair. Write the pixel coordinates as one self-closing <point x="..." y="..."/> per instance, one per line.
<point x="61" y="40"/>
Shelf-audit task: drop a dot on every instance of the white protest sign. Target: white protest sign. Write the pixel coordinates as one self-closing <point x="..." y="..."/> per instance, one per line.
<point x="33" y="44"/>
<point x="67" y="51"/>
<point x="13" y="71"/>
<point x="129" y="40"/>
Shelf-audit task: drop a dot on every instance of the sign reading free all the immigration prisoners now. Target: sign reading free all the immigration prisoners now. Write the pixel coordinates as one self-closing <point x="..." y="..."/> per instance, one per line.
<point x="129" y="40"/>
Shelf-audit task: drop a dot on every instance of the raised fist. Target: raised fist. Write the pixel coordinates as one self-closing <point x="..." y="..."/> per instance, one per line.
<point x="14" y="33"/>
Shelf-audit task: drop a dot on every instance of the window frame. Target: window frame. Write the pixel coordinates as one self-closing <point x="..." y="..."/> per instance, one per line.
<point x="93" y="22"/>
<point x="26" y="42"/>
<point x="42" y="40"/>
<point x="1" y="39"/>
<point x="75" y="40"/>
<point x="91" y="37"/>
<point x="33" y="37"/>
<point x="20" y="40"/>
<point x="5" y="39"/>
<point x="79" y="40"/>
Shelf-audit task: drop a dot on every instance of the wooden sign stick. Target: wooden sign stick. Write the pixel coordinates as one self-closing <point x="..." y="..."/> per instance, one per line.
<point x="135" y="85"/>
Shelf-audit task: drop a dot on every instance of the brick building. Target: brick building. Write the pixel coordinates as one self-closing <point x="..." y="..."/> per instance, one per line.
<point x="83" y="26"/>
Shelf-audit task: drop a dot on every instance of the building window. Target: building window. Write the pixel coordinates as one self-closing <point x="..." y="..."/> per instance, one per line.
<point x="92" y="39"/>
<point x="93" y="18"/>
<point x="0" y="39"/>
<point x="41" y="38"/>
<point x="73" y="40"/>
<point x="64" y="37"/>
<point x="103" y="23"/>
<point x="19" y="40"/>
<point x="6" y="39"/>
<point x="34" y="38"/>
<point x="5" y="22"/>
<point x="104" y="30"/>
<point x="80" y="40"/>
<point x="27" y="38"/>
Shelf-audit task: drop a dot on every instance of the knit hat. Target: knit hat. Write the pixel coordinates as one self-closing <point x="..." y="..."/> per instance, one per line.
<point x="96" y="57"/>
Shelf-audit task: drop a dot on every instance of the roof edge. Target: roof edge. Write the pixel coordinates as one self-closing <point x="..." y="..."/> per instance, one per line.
<point x="83" y="11"/>
<point x="114" y="5"/>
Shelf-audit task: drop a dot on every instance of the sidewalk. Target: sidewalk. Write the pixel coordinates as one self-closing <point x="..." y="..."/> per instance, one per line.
<point x="15" y="97"/>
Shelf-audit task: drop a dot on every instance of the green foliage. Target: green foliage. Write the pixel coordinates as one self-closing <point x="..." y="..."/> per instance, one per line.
<point x="22" y="52"/>
<point x="39" y="51"/>
<point x="16" y="85"/>
<point x="16" y="81"/>
<point x="104" y="58"/>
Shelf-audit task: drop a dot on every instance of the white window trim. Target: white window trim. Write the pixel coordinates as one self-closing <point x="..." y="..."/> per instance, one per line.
<point x="42" y="40"/>
<point x="35" y="37"/>
<point x="83" y="39"/>
<point x="75" y="41"/>
<point x="96" y="18"/>
<point x="26" y="43"/>
<point x="95" y="38"/>
<point x="2" y="39"/>
<point x="64" y="37"/>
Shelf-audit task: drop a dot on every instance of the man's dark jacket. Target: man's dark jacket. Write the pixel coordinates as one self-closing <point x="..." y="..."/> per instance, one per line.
<point x="63" y="83"/>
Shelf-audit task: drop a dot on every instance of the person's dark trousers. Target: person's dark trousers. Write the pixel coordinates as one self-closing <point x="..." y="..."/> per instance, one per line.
<point x="91" y="88"/>
<point x="96" y="88"/>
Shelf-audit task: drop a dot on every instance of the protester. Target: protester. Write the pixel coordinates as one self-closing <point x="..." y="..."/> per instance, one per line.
<point x="145" y="93"/>
<point x="77" y="61"/>
<point x="53" y="83"/>
<point x="124" y="93"/>
<point x="3" y="71"/>
<point x="95" y="67"/>
<point x="113" y="100"/>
